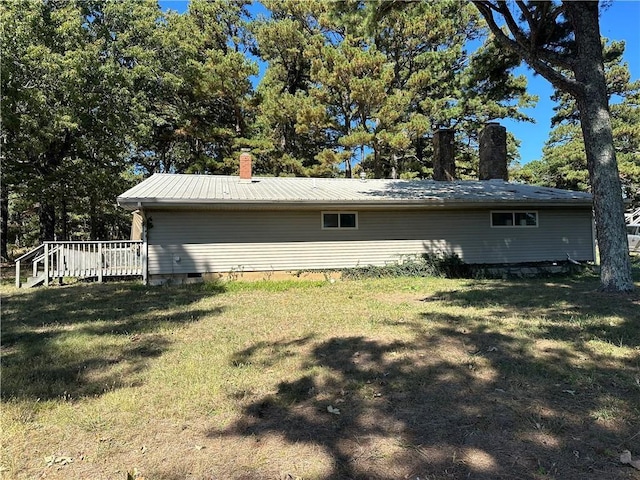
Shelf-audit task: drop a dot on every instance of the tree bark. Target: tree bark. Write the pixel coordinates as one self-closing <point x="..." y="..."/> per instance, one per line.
<point x="595" y="121"/>
<point x="47" y="214"/>
<point x="93" y="221"/>
<point x="64" y="220"/>
<point x="4" y="220"/>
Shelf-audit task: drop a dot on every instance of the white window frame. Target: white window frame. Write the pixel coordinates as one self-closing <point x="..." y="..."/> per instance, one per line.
<point x="513" y="212"/>
<point x="338" y="212"/>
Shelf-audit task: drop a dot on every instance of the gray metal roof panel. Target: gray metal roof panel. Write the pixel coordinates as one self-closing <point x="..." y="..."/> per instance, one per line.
<point x="185" y="189"/>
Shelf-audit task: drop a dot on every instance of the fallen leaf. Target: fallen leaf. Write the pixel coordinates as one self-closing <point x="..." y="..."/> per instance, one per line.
<point x="625" y="457"/>
<point x="570" y="392"/>
<point x="134" y="475"/>
<point x="199" y="447"/>
<point x="332" y="409"/>
<point x="54" y="460"/>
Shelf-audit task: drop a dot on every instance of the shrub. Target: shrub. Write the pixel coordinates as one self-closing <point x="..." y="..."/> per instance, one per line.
<point x="427" y="265"/>
<point x="449" y="265"/>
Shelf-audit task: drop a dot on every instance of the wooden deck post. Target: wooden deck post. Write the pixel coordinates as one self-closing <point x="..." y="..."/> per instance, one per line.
<point x="100" y="262"/>
<point x="46" y="264"/>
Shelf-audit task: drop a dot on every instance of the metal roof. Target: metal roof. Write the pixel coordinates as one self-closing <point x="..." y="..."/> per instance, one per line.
<point x="185" y="190"/>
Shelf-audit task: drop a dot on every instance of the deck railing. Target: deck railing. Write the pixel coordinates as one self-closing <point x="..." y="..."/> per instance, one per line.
<point x="633" y="218"/>
<point x="85" y="260"/>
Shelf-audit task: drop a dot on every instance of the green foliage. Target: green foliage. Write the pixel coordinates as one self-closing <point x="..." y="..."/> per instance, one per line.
<point x="65" y="112"/>
<point x="448" y="265"/>
<point x="97" y="93"/>
<point x="196" y="96"/>
<point x="371" y="84"/>
<point x="290" y="126"/>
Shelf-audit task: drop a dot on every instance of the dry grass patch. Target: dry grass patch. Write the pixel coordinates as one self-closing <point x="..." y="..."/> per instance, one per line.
<point x="390" y="378"/>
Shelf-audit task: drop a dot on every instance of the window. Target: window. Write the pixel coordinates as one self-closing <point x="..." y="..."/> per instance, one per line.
<point x="339" y="220"/>
<point x="514" y="219"/>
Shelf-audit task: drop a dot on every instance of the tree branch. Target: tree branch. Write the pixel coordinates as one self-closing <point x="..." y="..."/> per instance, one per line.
<point x="527" y="16"/>
<point x="537" y="58"/>
<point x="515" y="30"/>
<point x="550" y="56"/>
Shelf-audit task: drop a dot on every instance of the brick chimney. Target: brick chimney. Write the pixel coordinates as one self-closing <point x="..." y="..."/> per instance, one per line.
<point x="493" y="152"/>
<point x="245" y="166"/>
<point x="444" y="164"/>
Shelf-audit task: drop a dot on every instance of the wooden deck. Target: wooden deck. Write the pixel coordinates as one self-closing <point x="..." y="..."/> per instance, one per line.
<point x="53" y="260"/>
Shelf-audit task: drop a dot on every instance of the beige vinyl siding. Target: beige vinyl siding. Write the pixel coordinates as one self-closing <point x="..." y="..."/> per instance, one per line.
<point x="217" y="241"/>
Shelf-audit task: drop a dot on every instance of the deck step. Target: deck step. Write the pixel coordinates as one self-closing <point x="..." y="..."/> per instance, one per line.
<point x="34" y="281"/>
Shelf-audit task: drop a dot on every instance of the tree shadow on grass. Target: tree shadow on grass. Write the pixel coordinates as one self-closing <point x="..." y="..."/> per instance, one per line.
<point x="566" y="309"/>
<point x="463" y="399"/>
<point x="87" y="339"/>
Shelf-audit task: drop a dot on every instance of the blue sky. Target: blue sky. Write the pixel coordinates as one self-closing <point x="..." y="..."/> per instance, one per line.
<point x="620" y="21"/>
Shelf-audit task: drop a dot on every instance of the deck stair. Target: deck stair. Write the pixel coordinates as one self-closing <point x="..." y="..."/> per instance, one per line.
<point x="56" y="260"/>
<point x="34" y="281"/>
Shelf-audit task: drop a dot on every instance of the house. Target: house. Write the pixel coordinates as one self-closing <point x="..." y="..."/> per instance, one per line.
<point x="196" y="224"/>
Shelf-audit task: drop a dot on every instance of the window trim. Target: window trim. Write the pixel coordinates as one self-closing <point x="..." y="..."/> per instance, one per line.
<point x="514" y="225"/>
<point x="338" y="212"/>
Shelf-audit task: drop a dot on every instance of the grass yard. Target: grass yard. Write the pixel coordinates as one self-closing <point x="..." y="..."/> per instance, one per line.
<point x="371" y="379"/>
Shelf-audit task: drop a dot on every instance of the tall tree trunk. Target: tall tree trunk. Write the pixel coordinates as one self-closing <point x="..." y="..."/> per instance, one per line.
<point x="420" y="150"/>
<point x="47" y="216"/>
<point x="347" y="168"/>
<point x="4" y="220"/>
<point x="595" y="121"/>
<point x="64" y="220"/>
<point x="378" y="168"/>
<point x="394" y="166"/>
<point x="93" y="221"/>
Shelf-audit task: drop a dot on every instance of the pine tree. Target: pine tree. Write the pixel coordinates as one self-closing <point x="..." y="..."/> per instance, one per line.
<point x="290" y="127"/>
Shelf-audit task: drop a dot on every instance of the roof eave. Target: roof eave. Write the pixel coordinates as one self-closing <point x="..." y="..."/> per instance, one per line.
<point x="435" y="203"/>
